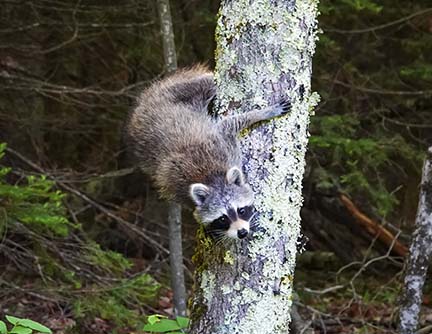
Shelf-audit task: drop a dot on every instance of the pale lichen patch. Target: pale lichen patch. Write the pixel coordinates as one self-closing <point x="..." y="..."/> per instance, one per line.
<point x="207" y="286"/>
<point x="228" y="257"/>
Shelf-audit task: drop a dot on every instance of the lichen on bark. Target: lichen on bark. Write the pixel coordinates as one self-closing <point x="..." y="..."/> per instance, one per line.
<point x="264" y="53"/>
<point x="419" y="255"/>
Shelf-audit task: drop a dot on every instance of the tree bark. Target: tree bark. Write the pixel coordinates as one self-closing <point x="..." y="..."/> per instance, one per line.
<point x="176" y="259"/>
<point x="419" y="255"/>
<point x="167" y="34"/>
<point x="264" y="53"/>
<point x="174" y="210"/>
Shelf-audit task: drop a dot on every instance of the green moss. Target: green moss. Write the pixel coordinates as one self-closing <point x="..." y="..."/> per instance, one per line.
<point x="111" y="261"/>
<point x="113" y="303"/>
<point x="203" y="248"/>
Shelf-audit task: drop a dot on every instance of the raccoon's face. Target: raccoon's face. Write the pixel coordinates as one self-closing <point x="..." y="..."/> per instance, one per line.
<point x="226" y="206"/>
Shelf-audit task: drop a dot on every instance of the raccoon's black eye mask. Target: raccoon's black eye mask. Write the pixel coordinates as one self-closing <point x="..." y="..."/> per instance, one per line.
<point x="223" y="222"/>
<point x="246" y="212"/>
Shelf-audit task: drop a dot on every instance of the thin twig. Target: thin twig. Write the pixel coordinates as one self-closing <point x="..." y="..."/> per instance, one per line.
<point x="381" y="26"/>
<point x="87" y="199"/>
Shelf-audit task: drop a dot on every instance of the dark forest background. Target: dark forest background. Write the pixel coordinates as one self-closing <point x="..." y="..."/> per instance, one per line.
<point x="83" y="237"/>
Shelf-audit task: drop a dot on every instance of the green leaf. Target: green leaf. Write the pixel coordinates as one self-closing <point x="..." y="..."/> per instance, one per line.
<point x="3" y="328"/>
<point x="152" y="319"/>
<point x="35" y="326"/>
<point x="2" y="148"/>
<point x="12" y="320"/>
<point x="183" y="322"/>
<point x="20" y="330"/>
<point x="29" y="324"/>
<point x="163" y="326"/>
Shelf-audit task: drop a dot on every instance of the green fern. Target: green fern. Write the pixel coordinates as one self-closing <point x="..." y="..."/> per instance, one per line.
<point x="33" y="201"/>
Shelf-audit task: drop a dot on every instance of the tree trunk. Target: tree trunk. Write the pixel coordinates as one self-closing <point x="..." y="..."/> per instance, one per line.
<point x="174" y="210"/>
<point x="167" y="34"/>
<point x="264" y="53"/>
<point x="176" y="259"/>
<point x="420" y="254"/>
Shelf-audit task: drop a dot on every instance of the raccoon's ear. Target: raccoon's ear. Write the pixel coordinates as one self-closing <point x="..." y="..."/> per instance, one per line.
<point x="235" y="176"/>
<point x="199" y="192"/>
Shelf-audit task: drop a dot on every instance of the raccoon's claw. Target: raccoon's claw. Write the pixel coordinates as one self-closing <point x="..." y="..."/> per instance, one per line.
<point x="286" y="106"/>
<point x="276" y="110"/>
<point x="281" y="108"/>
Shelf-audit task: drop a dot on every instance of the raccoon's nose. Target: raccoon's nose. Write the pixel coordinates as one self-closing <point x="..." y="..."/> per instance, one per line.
<point x="242" y="233"/>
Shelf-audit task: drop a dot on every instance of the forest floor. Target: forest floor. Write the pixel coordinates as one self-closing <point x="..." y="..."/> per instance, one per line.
<point x="347" y="300"/>
<point x="329" y="301"/>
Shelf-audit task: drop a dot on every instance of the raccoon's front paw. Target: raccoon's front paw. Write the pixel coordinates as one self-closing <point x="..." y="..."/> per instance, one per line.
<point x="285" y="106"/>
<point x="281" y="108"/>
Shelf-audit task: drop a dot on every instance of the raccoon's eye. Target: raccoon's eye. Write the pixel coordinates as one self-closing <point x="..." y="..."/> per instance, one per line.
<point x="221" y="223"/>
<point x="222" y="219"/>
<point x="245" y="212"/>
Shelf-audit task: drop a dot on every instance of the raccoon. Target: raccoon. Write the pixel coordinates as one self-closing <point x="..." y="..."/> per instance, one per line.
<point x="194" y="158"/>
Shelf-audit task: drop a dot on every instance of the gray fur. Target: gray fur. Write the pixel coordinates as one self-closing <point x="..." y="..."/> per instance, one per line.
<point x="176" y="142"/>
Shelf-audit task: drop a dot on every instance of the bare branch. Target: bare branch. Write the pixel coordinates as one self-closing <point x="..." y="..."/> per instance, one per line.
<point x="381" y="26"/>
<point x="92" y="202"/>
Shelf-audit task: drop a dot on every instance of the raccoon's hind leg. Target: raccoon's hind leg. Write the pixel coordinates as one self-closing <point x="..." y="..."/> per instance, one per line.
<point x="197" y="91"/>
<point x="234" y="124"/>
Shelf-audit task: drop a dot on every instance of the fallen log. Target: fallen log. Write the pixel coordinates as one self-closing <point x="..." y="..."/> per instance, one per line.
<point x="374" y="228"/>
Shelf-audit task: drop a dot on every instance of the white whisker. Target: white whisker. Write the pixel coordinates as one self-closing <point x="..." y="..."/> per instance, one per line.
<point x="251" y="222"/>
